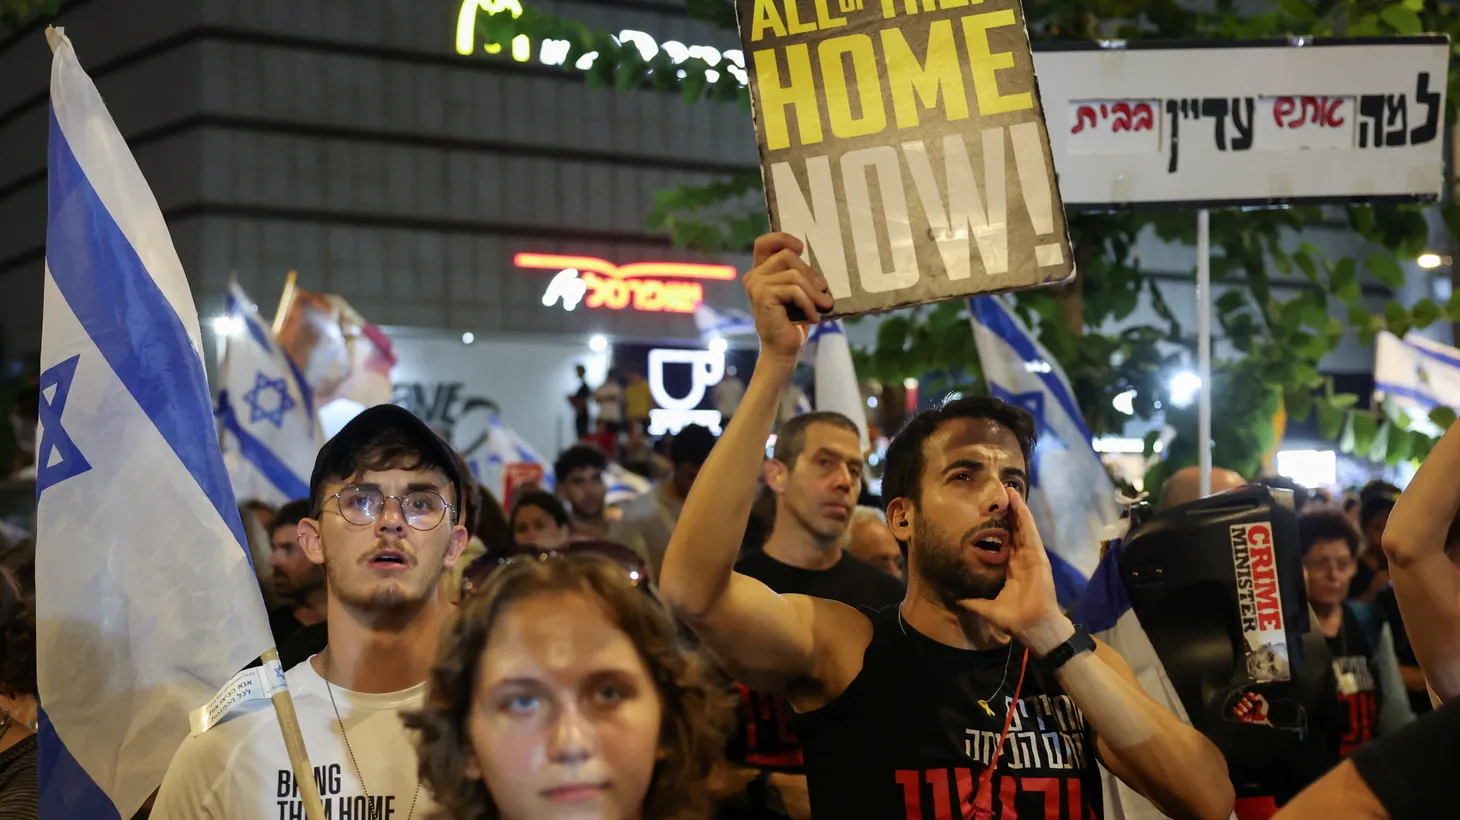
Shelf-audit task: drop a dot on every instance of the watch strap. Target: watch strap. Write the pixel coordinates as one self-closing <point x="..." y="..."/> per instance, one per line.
<point x="1060" y="655"/>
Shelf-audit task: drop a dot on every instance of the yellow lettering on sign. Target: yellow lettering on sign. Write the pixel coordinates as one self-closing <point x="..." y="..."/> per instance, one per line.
<point x="985" y="62"/>
<point x="955" y="4"/>
<point x="800" y="91"/>
<point x="889" y="8"/>
<point x="824" y="20"/>
<point x="793" y="20"/>
<point x="864" y="76"/>
<point x="764" y="16"/>
<point x="910" y="81"/>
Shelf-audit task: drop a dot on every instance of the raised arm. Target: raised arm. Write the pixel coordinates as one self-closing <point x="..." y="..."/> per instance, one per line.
<point x="766" y="640"/>
<point x="1426" y="584"/>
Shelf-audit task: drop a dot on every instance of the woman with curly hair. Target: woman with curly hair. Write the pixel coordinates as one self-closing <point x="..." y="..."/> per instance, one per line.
<point x="564" y="689"/>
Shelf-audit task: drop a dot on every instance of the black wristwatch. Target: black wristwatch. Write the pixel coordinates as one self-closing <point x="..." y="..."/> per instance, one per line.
<point x="1060" y="655"/>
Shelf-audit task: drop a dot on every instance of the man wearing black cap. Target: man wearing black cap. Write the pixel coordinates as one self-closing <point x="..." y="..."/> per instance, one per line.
<point x="386" y="495"/>
<point x="1376" y="501"/>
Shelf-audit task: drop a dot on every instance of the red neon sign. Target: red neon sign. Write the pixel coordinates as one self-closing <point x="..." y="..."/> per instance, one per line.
<point x="647" y="286"/>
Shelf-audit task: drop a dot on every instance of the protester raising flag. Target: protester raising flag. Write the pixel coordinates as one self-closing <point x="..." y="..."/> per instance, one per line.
<point x="270" y="430"/>
<point x="836" y="380"/>
<point x="146" y="603"/>
<point x="1071" y="495"/>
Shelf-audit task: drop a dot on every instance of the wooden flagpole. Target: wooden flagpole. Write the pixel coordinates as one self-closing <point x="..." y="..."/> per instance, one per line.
<point x="294" y="743"/>
<point x="286" y="301"/>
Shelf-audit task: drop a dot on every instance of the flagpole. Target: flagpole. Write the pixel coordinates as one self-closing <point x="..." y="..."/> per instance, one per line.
<point x="223" y="359"/>
<point x="294" y="743"/>
<point x="286" y="301"/>
<point x="1204" y="347"/>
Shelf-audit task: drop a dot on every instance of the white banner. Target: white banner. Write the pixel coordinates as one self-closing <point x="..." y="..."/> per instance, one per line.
<point x="1255" y="123"/>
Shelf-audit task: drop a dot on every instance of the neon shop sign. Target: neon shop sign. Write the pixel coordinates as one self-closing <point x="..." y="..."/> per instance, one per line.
<point x="706" y="369"/>
<point x="648" y="286"/>
<point x="555" y="52"/>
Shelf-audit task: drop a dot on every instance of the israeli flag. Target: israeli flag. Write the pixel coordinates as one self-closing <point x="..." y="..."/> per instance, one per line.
<point x="836" y="385"/>
<point x="713" y="323"/>
<point x="1071" y="495"/>
<point x="1418" y="374"/>
<point x="271" y="433"/>
<point x="146" y="601"/>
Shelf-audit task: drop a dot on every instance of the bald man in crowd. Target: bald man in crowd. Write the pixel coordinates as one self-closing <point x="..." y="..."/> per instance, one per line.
<point x="1184" y="485"/>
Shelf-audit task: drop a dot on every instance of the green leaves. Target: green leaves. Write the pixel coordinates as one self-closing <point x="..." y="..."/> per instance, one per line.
<point x="1343" y="281"/>
<point x="1442" y="417"/>
<point x="1385" y="269"/>
<point x="1402" y="18"/>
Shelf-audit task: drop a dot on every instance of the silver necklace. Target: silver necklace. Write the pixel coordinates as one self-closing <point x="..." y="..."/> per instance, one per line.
<point x="325" y="662"/>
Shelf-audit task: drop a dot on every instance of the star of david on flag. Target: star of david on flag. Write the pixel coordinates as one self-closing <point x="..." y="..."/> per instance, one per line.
<point x="57" y="458"/>
<point x="268" y="400"/>
<point x="1071" y="495"/>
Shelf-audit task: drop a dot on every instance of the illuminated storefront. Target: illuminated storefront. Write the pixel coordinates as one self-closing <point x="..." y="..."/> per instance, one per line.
<point x="476" y="200"/>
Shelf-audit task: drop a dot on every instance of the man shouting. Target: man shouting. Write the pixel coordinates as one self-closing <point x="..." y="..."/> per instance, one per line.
<point x="976" y="696"/>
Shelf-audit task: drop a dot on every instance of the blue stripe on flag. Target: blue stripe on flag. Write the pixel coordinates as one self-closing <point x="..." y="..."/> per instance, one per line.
<point x="1407" y="393"/>
<point x="305" y="391"/>
<point x="66" y="790"/>
<point x="131" y="322"/>
<point x="260" y="456"/>
<point x="997" y="319"/>
<point x="1431" y="354"/>
<point x="1105" y="598"/>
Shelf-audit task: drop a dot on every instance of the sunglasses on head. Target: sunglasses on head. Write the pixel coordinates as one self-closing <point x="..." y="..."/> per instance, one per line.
<point x="480" y="571"/>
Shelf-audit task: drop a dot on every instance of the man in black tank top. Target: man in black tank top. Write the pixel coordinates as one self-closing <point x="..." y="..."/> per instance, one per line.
<point x="815" y="473"/>
<point x="900" y="714"/>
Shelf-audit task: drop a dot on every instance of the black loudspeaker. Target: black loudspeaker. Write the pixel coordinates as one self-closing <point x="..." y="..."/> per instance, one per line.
<point x="1218" y="587"/>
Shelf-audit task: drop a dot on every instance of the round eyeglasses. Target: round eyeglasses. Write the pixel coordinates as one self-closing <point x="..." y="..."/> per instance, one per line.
<point x="422" y="509"/>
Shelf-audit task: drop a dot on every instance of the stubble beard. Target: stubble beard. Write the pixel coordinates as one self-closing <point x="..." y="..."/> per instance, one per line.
<point x="392" y="601"/>
<point x="942" y="567"/>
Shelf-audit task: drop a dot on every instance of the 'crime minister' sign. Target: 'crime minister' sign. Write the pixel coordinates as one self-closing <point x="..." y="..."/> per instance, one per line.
<point x="904" y="142"/>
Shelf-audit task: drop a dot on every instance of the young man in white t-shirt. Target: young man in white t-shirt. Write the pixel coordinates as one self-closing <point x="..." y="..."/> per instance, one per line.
<point x="385" y="493"/>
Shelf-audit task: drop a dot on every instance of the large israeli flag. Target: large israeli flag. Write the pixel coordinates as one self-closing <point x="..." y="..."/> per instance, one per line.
<point x="271" y="432"/>
<point x="836" y="384"/>
<point x="1071" y="495"/>
<point x="146" y="602"/>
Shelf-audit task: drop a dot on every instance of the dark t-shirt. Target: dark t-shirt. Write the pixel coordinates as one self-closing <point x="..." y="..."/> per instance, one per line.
<point x="283" y="624"/>
<point x="1388" y="606"/>
<point x="910" y="740"/>
<point x="1357" y="718"/>
<point x="765" y="736"/>
<point x="304" y="643"/>
<point x="19" y="798"/>
<point x="1412" y="771"/>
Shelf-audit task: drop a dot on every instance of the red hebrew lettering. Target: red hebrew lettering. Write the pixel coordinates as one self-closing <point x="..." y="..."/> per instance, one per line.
<point x="942" y="805"/>
<point x="1051" y="788"/>
<point x="1008" y="789"/>
<point x="912" y="793"/>
<point x="1282" y="108"/>
<point x="1122" y="117"/>
<point x="1145" y="118"/>
<point x="1081" y="114"/>
<point x="1331" y="119"/>
<point x="1104" y="111"/>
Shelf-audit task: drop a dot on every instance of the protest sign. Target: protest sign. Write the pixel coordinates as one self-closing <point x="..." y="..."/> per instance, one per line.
<point x="904" y="142"/>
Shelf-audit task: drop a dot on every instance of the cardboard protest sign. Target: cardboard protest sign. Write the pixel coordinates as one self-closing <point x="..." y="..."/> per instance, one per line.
<point x="904" y="142"/>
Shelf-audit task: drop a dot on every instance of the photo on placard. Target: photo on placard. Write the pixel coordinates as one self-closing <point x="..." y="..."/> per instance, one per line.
<point x="905" y="144"/>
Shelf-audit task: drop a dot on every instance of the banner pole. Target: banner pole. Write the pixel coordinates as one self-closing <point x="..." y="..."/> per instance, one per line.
<point x="1204" y="347"/>
<point x="286" y="301"/>
<point x="294" y="743"/>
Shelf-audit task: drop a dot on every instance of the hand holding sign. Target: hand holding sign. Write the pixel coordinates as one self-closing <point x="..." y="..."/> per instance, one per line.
<point x="779" y="283"/>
